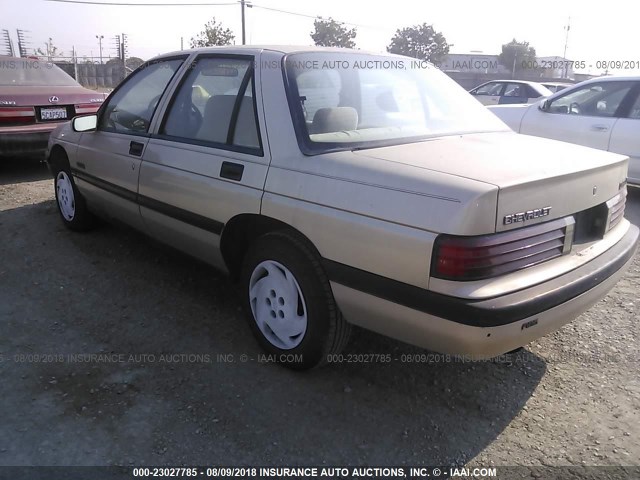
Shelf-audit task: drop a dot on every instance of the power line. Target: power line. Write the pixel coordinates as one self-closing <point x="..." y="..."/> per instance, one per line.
<point x="126" y="4"/>
<point x="207" y="4"/>
<point x="297" y="14"/>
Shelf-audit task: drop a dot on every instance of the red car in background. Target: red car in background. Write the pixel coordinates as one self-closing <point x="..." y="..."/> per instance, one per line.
<point x="35" y="97"/>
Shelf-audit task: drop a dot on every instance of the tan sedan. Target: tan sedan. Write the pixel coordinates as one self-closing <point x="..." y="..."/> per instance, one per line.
<point x="343" y="188"/>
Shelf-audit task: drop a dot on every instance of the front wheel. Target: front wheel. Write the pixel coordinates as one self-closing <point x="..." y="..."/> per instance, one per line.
<point x="289" y="304"/>
<point x="71" y="205"/>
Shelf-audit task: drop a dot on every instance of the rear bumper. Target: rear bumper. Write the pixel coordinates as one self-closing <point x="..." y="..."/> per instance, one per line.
<point x="482" y="328"/>
<point x="21" y="141"/>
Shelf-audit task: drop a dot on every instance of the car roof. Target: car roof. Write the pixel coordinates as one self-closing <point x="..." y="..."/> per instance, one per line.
<point x="284" y="49"/>
<point x="614" y="78"/>
<point x="528" y="82"/>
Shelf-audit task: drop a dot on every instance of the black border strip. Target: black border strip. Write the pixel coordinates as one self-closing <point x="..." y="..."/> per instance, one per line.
<point x="237" y="104"/>
<point x="182" y="215"/>
<point x="172" y="211"/>
<point x="495" y="311"/>
<point x="107" y="186"/>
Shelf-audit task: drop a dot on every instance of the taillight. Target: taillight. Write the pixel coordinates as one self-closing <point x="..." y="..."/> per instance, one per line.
<point x="10" y="116"/>
<point x="486" y="256"/>
<point x="85" y="108"/>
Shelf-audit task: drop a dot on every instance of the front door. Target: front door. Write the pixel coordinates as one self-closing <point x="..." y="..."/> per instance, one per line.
<point x="107" y="164"/>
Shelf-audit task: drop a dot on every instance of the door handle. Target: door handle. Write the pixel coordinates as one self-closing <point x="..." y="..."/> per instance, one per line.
<point x="232" y="171"/>
<point x="599" y="128"/>
<point x="135" y="148"/>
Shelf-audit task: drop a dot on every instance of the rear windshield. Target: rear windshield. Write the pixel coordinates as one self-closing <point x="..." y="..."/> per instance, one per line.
<point x="346" y="101"/>
<point x="28" y="72"/>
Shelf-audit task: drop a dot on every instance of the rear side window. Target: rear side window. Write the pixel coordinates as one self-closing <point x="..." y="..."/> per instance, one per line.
<point x="515" y="90"/>
<point x="130" y="108"/>
<point x="215" y="105"/>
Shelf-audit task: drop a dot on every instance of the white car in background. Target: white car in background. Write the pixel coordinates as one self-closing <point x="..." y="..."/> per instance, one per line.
<point x="602" y="113"/>
<point x="507" y="92"/>
<point x="556" y="86"/>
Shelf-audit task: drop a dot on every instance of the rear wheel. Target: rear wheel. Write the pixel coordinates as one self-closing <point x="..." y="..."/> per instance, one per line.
<point x="289" y="304"/>
<point x="71" y="205"/>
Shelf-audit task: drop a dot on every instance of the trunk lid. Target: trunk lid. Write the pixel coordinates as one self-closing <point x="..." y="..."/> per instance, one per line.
<point x="27" y="96"/>
<point x="538" y="179"/>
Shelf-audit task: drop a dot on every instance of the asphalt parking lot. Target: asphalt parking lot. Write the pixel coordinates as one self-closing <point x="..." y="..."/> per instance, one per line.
<point x="117" y="350"/>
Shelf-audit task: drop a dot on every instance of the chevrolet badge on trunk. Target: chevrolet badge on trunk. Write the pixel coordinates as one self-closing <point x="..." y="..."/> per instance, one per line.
<point x="528" y="215"/>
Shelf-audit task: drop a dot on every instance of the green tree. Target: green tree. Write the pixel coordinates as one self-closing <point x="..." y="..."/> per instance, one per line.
<point x="213" y="34"/>
<point x="516" y="55"/>
<point x="134" y="62"/>
<point x="420" y="41"/>
<point x="330" y="33"/>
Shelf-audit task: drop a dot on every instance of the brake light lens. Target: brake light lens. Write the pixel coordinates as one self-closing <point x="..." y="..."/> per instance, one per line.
<point x="476" y="258"/>
<point x="85" y="108"/>
<point x="10" y="116"/>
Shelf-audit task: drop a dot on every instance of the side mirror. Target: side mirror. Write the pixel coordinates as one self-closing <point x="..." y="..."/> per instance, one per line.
<point x="544" y="105"/>
<point x="84" y="123"/>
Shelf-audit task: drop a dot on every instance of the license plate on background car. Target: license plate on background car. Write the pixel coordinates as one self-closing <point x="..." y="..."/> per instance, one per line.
<point x="53" y="113"/>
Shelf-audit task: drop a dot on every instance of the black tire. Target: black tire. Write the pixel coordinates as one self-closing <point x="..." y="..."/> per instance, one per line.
<point x="327" y="332"/>
<point x="67" y="193"/>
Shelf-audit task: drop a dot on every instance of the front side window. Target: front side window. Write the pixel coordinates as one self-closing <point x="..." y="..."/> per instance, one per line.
<point x="215" y="104"/>
<point x="596" y="99"/>
<point x="342" y="101"/>
<point x="492" y="89"/>
<point x="130" y="108"/>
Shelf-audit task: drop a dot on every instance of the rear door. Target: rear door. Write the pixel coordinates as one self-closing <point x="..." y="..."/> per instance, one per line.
<point x="108" y="160"/>
<point x="206" y="163"/>
<point x="625" y="136"/>
<point x="585" y="115"/>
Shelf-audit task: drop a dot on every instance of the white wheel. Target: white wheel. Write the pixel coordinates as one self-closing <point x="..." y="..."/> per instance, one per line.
<point x="288" y="301"/>
<point x="65" y="196"/>
<point x="72" y="206"/>
<point x="278" y="305"/>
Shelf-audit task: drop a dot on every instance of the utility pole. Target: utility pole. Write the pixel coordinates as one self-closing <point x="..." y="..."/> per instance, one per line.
<point x="49" y="49"/>
<point x="181" y="43"/>
<point x="74" y="59"/>
<point x="566" y="42"/>
<point x="244" y="3"/>
<point x="100" y="37"/>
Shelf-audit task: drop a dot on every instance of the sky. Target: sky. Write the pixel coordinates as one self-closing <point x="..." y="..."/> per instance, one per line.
<point x="602" y="31"/>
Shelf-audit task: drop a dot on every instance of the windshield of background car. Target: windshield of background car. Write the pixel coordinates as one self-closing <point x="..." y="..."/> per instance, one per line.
<point x="343" y="101"/>
<point x="33" y="73"/>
